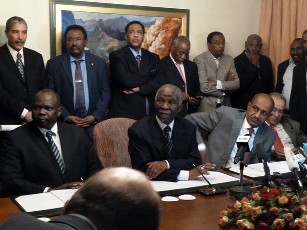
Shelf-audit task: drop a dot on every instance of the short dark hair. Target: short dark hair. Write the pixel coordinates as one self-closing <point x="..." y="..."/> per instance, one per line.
<point x="134" y="22"/>
<point x="11" y="21"/>
<point x="75" y="27"/>
<point x="212" y="34"/>
<point x="123" y="205"/>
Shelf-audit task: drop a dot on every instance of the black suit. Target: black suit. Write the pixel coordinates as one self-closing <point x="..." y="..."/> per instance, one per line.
<point x="64" y="222"/>
<point x="282" y="67"/>
<point x="145" y="145"/>
<point x="28" y="166"/>
<point x="126" y="75"/>
<point x="253" y="80"/>
<point x="298" y="98"/>
<point x="169" y="74"/>
<point x="15" y="92"/>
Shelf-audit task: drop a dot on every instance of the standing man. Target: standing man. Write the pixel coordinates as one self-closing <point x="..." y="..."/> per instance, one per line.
<point x="21" y="74"/>
<point x="288" y="132"/>
<point x="304" y="36"/>
<point x="44" y="154"/>
<point x="217" y="73"/>
<point x="81" y="80"/>
<point x="285" y="73"/>
<point x="255" y="72"/>
<point x="178" y="70"/>
<point x="164" y="146"/>
<point x="133" y="71"/>
<point x="225" y="124"/>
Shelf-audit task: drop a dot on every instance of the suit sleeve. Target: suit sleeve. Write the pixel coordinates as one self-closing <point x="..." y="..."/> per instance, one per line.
<point x="279" y="83"/>
<point x="105" y="92"/>
<point x="11" y="170"/>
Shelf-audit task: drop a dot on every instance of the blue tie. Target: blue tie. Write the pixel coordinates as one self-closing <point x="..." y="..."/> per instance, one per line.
<point x="55" y="151"/>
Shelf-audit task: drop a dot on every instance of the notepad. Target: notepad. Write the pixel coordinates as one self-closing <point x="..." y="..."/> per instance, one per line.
<point x="44" y="204"/>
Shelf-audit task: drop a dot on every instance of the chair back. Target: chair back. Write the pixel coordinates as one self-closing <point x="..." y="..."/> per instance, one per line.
<point x="111" y="142"/>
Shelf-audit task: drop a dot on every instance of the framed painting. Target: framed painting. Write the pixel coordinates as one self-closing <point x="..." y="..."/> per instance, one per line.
<point x="105" y="24"/>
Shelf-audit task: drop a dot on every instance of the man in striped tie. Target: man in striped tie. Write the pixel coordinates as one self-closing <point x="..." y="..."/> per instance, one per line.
<point x="46" y="154"/>
<point x="164" y="145"/>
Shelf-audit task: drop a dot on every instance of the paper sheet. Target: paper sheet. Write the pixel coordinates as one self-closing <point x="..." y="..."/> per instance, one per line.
<point x="8" y="127"/>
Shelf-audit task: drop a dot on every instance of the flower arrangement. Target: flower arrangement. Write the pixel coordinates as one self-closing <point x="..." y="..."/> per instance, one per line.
<point x="268" y="208"/>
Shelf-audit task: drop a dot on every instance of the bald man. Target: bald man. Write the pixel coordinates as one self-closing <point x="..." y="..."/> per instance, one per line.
<point x="114" y="198"/>
<point x="255" y="73"/>
<point x="225" y="124"/>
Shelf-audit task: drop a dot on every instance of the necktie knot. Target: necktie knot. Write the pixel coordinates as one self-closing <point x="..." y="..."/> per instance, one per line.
<point x="19" y="55"/>
<point x="49" y="134"/>
<point x="167" y="130"/>
<point x="77" y="62"/>
<point x="138" y="57"/>
<point x="250" y="131"/>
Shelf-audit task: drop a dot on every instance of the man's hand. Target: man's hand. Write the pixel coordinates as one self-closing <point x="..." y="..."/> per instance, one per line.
<point x="81" y="122"/>
<point x="185" y="96"/>
<point x="195" y="100"/>
<point x="71" y="185"/>
<point x="212" y="82"/>
<point x="28" y="116"/>
<point x="203" y="168"/>
<point x="279" y="153"/>
<point x="155" y="168"/>
<point x="231" y="77"/>
<point x="131" y="91"/>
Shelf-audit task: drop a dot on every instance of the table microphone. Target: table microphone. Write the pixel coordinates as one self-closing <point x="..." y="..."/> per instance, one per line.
<point x="242" y="143"/>
<point x="262" y="156"/>
<point x="293" y="166"/>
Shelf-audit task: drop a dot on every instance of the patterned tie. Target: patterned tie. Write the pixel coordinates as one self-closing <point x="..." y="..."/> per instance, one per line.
<point x="138" y="60"/>
<point x="80" y="108"/>
<point x="278" y="144"/>
<point x="167" y="143"/>
<point x="182" y="76"/>
<point x="20" y="65"/>
<point x="55" y="151"/>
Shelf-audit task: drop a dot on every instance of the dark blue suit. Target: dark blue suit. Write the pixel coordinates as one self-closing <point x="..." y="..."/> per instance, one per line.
<point x="60" y="79"/>
<point x="126" y="75"/>
<point x="145" y="145"/>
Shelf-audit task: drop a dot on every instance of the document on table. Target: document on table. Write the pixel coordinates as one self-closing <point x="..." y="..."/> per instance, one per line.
<point x="256" y="170"/>
<point x="214" y="178"/>
<point x="39" y="204"/>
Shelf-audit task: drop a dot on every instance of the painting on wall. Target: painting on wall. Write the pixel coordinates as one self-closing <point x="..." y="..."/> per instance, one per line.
<point x="105" y="24"/>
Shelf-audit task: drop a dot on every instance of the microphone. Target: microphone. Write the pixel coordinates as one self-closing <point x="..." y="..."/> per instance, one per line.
<point x="293" y="166"/>
<point x="242" y="143"/>
<point x="263" y="157"/>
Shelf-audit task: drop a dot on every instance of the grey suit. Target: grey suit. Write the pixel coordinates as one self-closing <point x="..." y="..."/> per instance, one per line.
<point x="293" y="130"/>
<point x="224" y="125"/>
<point x="208" y="70"/>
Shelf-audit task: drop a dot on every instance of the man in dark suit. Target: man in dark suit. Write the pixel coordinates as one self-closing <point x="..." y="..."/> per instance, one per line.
<point x="114" y="198"/>
<point x="298" y="98"/>
<point x="34" y="160"/>
<point x="288" y="132"/>
<point x="177" y="70"/>
<point x="225" y="124"/>
<point x="255" y="72"/>
<point x="18" y="85"/>
<point x="285" y="72"/>
<point x="87" y="105"/>
<point x="133" y="71"/>
<point x="164" y="146"/>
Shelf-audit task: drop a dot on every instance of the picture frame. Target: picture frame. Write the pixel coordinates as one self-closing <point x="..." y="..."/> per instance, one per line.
<point x="105" y="25"/>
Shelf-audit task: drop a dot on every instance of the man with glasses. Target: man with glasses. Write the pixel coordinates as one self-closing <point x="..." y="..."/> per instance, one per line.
<point x="287" y="131"/>
<point x="81" y="80"/>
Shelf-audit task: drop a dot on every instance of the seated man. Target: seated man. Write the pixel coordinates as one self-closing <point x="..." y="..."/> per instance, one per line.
<point x="225" y="124"/>
<point x="114" y="198"/>
<point x="45" y="154"/>
<point x="164" y="146"/>
<point x="288" y="132"/>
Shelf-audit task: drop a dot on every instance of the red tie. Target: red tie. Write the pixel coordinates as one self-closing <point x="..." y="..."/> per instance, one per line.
<point x="278" y="144"/>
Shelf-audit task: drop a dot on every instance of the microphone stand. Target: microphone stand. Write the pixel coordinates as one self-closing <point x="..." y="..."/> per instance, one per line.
<point x="240" y="191"/>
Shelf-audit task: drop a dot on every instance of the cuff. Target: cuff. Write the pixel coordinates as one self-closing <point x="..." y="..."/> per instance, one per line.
<point x="202" y="147"/>
<point x="168" y="167"/>
<point x="219" y="84"/>
<point x="24" y="113"/>
<point x="46" y="189"/>
<point x="183" y="175"/>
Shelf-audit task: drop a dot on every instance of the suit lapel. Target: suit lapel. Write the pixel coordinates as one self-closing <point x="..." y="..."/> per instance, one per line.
<point x="66" y="147"/>
<point x="235" y="130"/>
<point x="156" y="134"/>
<point x="67" y="68"/>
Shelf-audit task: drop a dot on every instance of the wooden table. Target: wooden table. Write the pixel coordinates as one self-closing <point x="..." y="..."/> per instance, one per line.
<point x="199" y="214"/>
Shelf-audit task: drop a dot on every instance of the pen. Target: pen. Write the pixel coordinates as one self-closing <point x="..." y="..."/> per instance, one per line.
<point x="203" y="176"/>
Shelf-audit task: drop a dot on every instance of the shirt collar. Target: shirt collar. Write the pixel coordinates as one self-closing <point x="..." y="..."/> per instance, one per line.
<point x="215" y="57"/>
<point x="178" y="63"/>
<point x="54" y="129"/>
<point x="162" y="125"/>
<point x="247" y="126"/>
<point x="14" y="52"/>
<point x="136" y="53"/>
<point x="72" y="59"/>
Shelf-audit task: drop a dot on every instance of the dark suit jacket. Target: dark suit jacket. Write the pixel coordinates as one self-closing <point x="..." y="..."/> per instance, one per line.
<point x="59" y="78"/>
<point x="293" y="130"/>
<point x="298" y="98"/>
<point x="169" y="74"/>
<point x="27" y="222"/>
<point x="145" y="145"/>
<point x="224" y="125"/>
<point x="126" y="75"/>
<point x="253" y="80"/>
<point x="28" y="166"/>
<point x="282" y="67"/>
<point x="15" y="93"/>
